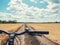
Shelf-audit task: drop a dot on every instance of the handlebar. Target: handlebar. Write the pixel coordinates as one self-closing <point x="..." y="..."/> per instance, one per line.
<point x="1" y="31"/>
<point x="12" y="35"/>
<point x="36" y="32"/>
<point x="39" y="32"/>
<point x="27" y="31"/>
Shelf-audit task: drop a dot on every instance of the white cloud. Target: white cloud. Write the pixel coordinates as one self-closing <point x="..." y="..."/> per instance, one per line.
<point x="54" y="1"/>
<point x="32" y="0"/>
<point x="4" y="16"/>
<point x="41" y="1"/>
<point x="24" y="13"/>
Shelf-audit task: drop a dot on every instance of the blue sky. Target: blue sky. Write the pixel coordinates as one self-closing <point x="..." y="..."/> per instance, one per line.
<point x="38" y="4"/>
<point x="3" y="4"/>
<point x="30" y="10"/>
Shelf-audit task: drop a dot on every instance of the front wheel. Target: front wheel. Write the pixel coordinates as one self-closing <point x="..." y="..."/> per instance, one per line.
<point x="17" y="41"/>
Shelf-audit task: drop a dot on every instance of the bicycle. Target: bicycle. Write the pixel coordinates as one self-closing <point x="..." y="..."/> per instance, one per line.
<point x="13" y="35"/>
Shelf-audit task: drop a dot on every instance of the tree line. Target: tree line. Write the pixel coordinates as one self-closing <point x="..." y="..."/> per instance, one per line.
<point x="4" y="21"/>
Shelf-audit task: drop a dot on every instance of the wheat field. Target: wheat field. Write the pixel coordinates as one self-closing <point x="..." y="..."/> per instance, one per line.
<point x="54" y="30"/>
<point x="7" y="28"/>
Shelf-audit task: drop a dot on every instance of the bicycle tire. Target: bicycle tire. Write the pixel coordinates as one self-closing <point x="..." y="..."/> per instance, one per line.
<point x="17" y="41"/>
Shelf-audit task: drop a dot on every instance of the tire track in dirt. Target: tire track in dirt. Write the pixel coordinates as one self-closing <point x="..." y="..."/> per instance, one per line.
<point x="31" y="40"/>
<point x="44" y="40"/>
<point x="21" y="37"/>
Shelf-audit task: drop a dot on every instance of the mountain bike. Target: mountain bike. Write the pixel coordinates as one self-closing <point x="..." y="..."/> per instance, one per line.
<point x="13" y="35"/>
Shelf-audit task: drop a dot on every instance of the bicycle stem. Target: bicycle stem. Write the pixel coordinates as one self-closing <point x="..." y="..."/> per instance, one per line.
<point x="11" y="39"/>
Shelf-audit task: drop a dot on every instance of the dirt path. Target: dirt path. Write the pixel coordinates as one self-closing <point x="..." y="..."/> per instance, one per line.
<point x="43" y="40"/>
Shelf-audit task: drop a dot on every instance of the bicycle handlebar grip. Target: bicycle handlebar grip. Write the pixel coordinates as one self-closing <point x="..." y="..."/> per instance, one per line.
<point x="1" y="31"/>
<point x="39" y="32"/>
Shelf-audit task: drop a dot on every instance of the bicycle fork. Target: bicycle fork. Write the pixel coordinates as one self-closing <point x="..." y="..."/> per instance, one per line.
<point x="11" y="39"/>
<point x="11" y="42"/>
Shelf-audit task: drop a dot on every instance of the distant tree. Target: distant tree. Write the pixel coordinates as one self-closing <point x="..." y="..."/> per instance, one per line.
<point x="12" y="21"/>
<point x="4" y="21"/>
<point x="0" y="20"/>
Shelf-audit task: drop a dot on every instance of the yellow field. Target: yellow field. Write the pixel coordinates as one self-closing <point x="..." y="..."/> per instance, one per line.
<point x="8" y="28"/>
<point x="54" y="30"/>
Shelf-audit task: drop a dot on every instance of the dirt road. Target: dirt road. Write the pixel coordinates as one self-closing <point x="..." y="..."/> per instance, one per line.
<point x="38" y="40"/>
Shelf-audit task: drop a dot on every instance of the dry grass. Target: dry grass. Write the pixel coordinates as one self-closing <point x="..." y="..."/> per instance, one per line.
<point x="8" y="28"/>
<point x="54" y="30"/>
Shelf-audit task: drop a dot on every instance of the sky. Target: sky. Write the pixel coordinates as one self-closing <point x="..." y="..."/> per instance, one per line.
<point x="30" y="10"/>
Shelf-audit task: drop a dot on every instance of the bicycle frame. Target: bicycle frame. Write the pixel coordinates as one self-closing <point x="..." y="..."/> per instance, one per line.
<point x="14" y="34"/>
